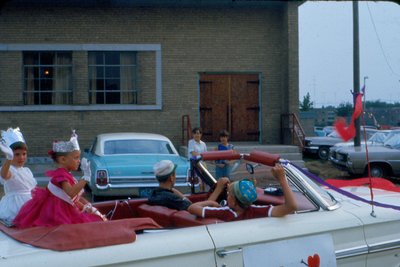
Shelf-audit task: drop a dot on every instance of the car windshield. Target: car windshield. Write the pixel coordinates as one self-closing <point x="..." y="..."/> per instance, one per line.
<point x="262" y="174"/>
<point x="393" y="141"/>
<point x="328" y="199"/>
<point x="334" y="134"/>
<point x="369" y="133"/>
<point x="379" y="137"/>
<point x="112" y="147"/>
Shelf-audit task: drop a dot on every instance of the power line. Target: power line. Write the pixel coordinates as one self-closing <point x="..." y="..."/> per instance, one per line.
<point x="380" y="42"/>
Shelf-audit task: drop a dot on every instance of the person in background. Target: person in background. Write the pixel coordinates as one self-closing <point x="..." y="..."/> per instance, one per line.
<point x="166" y="195"/>
<point x="61" y="202"/>
<point x="18" y="181"/>
<point x="195" y="147"/>
<point x="223" y="167"/>
<point x="241" y="195"/>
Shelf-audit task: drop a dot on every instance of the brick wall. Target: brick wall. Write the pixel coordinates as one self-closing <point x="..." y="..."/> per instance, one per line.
<point x="192" y="40"/>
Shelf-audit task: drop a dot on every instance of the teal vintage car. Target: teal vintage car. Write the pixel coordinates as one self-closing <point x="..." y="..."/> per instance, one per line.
<point x="122" y="163"/>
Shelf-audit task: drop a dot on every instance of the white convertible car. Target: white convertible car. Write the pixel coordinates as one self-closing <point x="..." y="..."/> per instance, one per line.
<point x="332" y="227"/>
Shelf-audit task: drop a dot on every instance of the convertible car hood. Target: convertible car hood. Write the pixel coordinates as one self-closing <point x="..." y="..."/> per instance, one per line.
<point x="382" y="196"/>
<point x="384" y="192"/>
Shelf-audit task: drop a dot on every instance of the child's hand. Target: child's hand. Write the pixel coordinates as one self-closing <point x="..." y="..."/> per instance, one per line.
<point x="278" y="172"/>
<point x="222" y="182"/>
<point x="7" y="151"/>
<point x="85" y="167"/>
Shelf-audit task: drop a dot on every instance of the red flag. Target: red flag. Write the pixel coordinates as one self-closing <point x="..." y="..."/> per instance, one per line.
<point x="348" y="132"/>
<point x="357" y="108"/>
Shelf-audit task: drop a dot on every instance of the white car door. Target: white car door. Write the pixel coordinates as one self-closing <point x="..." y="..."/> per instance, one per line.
<point x="293" y="240"/>
<point x="191" y="246"/>
<point x="382" y="232"/>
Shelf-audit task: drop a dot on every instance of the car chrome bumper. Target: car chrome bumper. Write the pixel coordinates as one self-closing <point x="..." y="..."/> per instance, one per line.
<point x="138" y="185"/>
<point x="353" y="170"/>
<point x="341" y="165"/>
<point x="311" y="149"/>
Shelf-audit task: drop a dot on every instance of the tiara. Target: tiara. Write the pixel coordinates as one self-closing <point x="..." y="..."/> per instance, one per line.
<point x="67" y="146"/>
<point x="12" y="136"/>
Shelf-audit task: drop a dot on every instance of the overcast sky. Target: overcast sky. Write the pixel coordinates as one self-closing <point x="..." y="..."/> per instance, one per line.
<point x="326" y="51"/>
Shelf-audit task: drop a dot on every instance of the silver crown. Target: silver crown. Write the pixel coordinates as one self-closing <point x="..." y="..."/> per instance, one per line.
<point x="12" y="136"/>
<point x="67" y="146"/>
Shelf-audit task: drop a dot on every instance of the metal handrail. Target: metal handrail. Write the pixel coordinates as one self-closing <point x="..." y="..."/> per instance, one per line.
<point x="296" y="130"/>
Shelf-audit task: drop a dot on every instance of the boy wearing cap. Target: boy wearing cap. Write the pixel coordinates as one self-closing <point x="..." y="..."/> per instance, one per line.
<point x="241" y="195"/>
<point x="166" y="195"/>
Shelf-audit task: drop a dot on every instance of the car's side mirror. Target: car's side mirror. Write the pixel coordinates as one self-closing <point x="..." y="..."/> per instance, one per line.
<point x="250" y="168"/>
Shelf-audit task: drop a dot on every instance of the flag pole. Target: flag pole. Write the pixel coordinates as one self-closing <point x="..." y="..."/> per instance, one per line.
<point x="363" y="91"/>
<point x="356" y="68"/>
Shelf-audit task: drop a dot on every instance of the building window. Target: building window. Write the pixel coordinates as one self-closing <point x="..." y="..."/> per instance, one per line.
<point x="112" y="78"/>
<point x="47" y="78"/>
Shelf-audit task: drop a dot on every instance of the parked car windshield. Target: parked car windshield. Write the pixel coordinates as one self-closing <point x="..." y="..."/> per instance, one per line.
<point x="393" y="141"/>
<point x="112" y="147"/>
<point x="379" y="137"/>
<point x="368" y="131"/>
<point x="334" y="134"/>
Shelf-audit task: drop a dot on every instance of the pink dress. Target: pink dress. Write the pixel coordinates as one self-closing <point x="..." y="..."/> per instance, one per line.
<point x="46" y="209"/>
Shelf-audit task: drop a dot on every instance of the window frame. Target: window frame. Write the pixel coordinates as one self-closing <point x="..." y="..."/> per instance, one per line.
<point x="88" y="48"/>
<point x="39" y="91"/>
<point x="105" y="72"/>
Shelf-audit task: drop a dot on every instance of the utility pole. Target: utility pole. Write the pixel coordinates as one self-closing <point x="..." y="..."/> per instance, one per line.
<point x="356" y="68"/>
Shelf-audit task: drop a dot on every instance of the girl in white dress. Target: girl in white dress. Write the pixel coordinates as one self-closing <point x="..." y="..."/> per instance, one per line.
<point x="18" y="181"/>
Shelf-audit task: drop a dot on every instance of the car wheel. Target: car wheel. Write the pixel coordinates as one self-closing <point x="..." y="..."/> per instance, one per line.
<point x="377" y="171"/>
<point x="323" y="153"/>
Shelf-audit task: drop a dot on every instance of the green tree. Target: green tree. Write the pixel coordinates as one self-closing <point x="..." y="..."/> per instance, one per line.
<point x="306" y="104"/>
<point x="344" y="109"/>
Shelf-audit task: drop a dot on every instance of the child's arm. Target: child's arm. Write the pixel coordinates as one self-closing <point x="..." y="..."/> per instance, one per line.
<point x="290" y="204"/>
<point x="5" y="170"/>
<point x="221" y="186"/>
<point x="73" y="190"/>
<point x="83" y="201"/>
<point x="197" y="208"/>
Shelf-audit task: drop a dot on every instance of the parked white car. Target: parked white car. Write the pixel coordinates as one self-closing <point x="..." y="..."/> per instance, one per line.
<point x="328" y="229"/>
<point x="337" y="153"/>
<point x="320" y="145"/>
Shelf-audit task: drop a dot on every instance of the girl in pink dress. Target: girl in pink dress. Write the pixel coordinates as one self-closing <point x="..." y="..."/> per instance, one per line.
<point x="61" y="202"/>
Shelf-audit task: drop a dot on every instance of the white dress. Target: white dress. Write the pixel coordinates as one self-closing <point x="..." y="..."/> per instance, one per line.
<point x="17" y="191"/>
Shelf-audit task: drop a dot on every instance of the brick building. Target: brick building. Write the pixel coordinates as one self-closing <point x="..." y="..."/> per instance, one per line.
<point x="111" y="66"/>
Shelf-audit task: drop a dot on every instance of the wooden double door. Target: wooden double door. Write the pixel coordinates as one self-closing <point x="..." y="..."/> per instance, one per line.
<point x="231" y="102"/>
